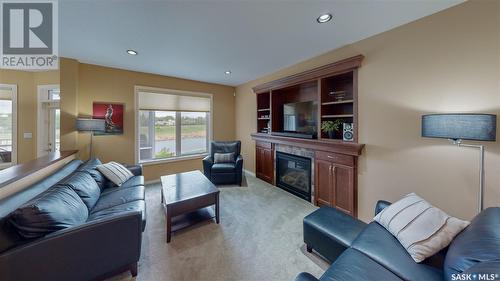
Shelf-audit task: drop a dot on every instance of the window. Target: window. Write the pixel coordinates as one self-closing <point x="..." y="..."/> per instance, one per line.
<point x="8" y="125"/>
<point x="172" y="124"/>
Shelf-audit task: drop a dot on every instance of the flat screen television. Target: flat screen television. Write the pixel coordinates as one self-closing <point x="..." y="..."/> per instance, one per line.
<point x="300" y="117"/>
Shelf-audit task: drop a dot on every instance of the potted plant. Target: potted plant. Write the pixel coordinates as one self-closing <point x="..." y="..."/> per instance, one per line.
<point x="331" y="127"/>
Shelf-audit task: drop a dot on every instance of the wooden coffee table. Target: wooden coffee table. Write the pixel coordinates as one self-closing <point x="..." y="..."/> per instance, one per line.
<point x="187" y="198"/>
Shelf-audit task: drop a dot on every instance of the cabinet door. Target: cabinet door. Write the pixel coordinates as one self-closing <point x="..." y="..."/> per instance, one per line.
<point x="343" y="188"/>
<point x="264" y="166"/>
<point x="323" y="192"/>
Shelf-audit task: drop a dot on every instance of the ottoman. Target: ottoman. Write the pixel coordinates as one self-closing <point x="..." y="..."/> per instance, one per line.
<point x="329" y="232"/>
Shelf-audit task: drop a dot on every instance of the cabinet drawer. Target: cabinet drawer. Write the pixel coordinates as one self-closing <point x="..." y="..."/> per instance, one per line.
<point x="335" y="158"/>
<point x="264" y="144"/>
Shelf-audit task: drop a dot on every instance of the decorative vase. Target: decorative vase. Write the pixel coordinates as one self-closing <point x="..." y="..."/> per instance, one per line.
<point x="331" y="134"/>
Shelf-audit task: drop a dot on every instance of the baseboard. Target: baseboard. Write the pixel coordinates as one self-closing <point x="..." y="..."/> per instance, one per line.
<point x="152" y="181"/>
<point x="249" y="173"/>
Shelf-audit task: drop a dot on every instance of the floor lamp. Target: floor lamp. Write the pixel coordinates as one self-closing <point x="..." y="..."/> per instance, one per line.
<point x="90" y="125"/>
<point x="463" y="126"/>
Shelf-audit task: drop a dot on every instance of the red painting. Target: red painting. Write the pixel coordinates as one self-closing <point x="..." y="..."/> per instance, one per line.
<point x="112" y="113"/>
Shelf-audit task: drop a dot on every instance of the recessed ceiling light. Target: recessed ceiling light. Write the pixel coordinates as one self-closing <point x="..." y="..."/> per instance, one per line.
<point x="132" y="52"/>
<point x="324" y="18"/>
<point x="227" y="72"/>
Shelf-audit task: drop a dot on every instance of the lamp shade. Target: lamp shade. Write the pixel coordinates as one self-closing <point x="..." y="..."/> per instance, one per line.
<point x="85" y="124"/>
<point x="460" y="126"/>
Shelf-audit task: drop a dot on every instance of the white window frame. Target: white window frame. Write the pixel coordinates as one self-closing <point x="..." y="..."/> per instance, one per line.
<point x="13" y="157"/>
<point x="43" y="91"/>
<point x="138" y="89"/>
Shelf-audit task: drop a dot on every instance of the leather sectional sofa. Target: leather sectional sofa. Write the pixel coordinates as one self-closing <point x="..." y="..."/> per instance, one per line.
<point x="106" y="243"/>
<point x="375" y="254"/>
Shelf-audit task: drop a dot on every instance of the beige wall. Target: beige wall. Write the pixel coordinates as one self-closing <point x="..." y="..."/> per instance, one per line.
<point x="447" y="62"/>
<point x="27" y="83"/>
<point x="104" y="84"/>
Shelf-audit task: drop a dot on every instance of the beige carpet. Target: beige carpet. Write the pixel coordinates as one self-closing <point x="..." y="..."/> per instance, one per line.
<point x="259" y="238"/>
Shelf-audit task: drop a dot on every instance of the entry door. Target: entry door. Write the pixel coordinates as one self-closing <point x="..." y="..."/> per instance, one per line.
<point x="48" y="119"/>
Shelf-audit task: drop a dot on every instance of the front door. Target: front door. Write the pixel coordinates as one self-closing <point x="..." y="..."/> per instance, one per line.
<point x="48" y="119"/>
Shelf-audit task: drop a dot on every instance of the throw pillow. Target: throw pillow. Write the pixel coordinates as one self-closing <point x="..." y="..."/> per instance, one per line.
<point x="84" y="185"/>
<point x="115" y="172"/>
<point x="52" y="210"/>
<point x="421" y="228"/>
<point x="223" y="157"/>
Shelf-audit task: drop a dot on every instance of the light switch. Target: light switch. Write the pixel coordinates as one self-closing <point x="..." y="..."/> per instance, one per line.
<point x="28" y="135"/>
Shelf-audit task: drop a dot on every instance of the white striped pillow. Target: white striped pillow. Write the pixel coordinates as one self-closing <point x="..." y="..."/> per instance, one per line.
<point x="115" y="172"/>
<point x="421" y="228"/>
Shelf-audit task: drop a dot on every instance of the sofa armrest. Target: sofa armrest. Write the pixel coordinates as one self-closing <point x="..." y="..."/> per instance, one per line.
<point x="84" y="252"/>
<point x="207" y="166"/>
<point x="135" y="169"/>
<point x="239" y="163"/>
<point x="381" y="204"/>
<point x="304" y="276"/>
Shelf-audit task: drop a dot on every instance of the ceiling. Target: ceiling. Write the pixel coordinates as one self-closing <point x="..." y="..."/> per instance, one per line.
<point x="202" y="39"/>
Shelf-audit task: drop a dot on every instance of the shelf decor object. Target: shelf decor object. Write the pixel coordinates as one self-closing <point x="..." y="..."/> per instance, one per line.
<point x="463" y="126"/>
<point x="90" y="125"/>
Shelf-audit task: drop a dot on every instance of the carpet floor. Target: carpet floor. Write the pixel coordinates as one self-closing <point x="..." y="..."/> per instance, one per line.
<point x="259" y="238"/>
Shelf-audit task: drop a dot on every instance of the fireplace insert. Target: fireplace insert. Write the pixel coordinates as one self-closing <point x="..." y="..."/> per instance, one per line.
<point x="293" y="174"/>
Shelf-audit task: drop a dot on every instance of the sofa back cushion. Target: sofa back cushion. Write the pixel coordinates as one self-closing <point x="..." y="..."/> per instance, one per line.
<point x="90" y="168"/>
<point x="226" y="147"/>
<point x="53" y="210"/>
<point x="84" y="185"/>
<point x="478" y="243"/>
<point x="8" y="235"/>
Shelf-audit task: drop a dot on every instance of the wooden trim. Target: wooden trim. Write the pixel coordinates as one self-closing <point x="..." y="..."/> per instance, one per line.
<point x="18" y="172"/>
<point x="329" y="69"/>
<point x="341" y="147"/>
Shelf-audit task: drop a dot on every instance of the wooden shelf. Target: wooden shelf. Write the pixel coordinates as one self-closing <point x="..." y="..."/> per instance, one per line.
<point x="337" y="102"/>
<point x="338" y="116"/>
<point x="263" y="109"/>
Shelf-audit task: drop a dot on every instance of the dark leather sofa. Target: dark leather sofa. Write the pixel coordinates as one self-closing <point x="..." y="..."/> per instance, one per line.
<point x="106" y="243"/>
<point x="224" y="173"/>
<point x="375" y="254"/>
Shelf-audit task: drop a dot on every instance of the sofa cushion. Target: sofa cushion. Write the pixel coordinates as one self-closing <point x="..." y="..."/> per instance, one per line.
<point x="90" y="168"/>
<point x="119" y="196"/>
<point x="53" y="210"/>
<point x="421" y="228"/>
<point x="134" y="206"/>
<point x="381" y="246"/>
<point x="115" y="172"/>
<point x="223" y="168"/>
<point x="353" y="265"/>
<point x="84" y="185"/>
<point x="478" y="243"/>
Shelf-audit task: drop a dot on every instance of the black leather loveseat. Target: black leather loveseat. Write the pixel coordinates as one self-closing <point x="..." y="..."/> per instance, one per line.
<point x="107" y="242"/>
<point x="375" y="254"/>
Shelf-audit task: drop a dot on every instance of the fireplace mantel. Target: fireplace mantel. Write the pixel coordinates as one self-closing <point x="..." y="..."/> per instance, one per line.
<point x="353" y="149"/>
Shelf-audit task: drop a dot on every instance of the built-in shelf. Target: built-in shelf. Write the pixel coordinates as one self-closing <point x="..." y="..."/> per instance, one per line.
<point x="263" y="118"/>
<point x="337" y="102"/>
<point x="263" y="109"/>
<point x="338" y="116"/>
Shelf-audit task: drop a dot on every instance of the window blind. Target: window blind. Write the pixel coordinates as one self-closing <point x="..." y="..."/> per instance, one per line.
<point x="5" y="94"/>
<point x="173" y="102"/>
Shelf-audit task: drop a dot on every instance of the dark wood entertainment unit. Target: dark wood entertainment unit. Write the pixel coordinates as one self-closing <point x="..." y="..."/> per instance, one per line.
<point x="334" y="88"/>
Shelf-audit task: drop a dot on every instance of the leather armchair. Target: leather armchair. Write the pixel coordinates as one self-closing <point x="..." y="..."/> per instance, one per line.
<point x="224" y="173"/>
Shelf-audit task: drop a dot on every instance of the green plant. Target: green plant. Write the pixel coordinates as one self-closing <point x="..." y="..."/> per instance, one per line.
<point x="331" y="126"/>
<point x="164" y="153"/>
